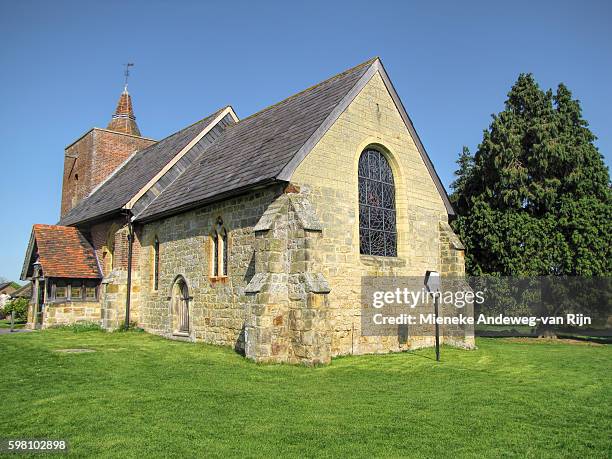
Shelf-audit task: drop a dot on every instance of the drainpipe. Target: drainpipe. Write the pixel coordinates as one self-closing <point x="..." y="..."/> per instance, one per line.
<point x="129" y="273"/>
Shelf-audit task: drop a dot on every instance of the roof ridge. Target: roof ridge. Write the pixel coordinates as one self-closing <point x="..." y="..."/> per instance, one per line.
<point x="187" y="127"/>
<point x="201" y="119"/>
<point x="310" y="88"/>
<point x="95" y="128"/>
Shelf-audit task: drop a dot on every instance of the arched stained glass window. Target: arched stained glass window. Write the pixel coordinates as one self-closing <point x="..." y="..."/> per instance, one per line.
<point x="377" y="230"/>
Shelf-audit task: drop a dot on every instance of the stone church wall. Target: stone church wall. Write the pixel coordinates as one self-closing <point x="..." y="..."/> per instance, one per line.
<point x="328" y="177"/>
<point x="217" y="306"/>
<point x="114" y="284"/>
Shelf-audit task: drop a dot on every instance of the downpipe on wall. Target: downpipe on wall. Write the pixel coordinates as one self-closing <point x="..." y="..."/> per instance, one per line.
<point x="129" y="272"/>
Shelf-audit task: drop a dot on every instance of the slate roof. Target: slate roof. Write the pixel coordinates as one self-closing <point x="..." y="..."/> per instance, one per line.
<point x="63" y="252"/>
<point x="256" y="149"/>
<point x="129" y="178"/>
<point x="261" y="149"/>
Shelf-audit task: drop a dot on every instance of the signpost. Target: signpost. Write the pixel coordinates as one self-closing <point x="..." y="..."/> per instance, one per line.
<point x="432" y="283"/>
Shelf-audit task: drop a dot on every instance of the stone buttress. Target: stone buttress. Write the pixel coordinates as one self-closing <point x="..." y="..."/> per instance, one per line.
<point x="287" y="299"/>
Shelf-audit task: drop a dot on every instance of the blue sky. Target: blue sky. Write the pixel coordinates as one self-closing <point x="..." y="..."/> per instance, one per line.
<point x="451" y="62"/>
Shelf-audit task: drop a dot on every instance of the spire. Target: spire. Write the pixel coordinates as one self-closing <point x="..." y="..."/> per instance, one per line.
<point x="124" y="120"/>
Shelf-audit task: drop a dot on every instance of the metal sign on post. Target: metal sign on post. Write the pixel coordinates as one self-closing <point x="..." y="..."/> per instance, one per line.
<point x="432" y="283"/>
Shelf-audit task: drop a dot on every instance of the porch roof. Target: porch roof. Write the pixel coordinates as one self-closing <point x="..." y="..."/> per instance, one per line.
<point x="63" y="251"/>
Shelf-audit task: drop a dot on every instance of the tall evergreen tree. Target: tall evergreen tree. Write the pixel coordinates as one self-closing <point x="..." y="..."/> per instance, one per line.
<point x="465" y="163"/>
<point x="536" y="197"/>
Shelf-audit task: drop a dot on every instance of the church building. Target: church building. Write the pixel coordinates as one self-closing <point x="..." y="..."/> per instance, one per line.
<point x="254" y="233"/>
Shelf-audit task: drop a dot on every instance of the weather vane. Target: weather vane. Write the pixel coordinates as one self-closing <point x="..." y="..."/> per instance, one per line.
<point x="127" y="72"/>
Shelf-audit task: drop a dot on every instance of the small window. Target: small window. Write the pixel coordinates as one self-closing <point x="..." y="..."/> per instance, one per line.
<point x="219" y="251"/>
<point x="76" y="291"/>
<point x="215" y="255"/>
<point x="61" y="290"/>
<point x="156" y="263"/>
<point x="91" y="291"/>
<point x="224" y="252"/>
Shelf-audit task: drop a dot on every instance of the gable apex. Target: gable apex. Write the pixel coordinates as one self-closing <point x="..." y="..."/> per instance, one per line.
<point x="417" y="140"/>
<point x="375" y="66"/>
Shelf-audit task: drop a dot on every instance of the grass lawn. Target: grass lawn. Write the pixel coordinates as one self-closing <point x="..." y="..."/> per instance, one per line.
<point x="139" y="395"/>
<point x="6" y="323"/>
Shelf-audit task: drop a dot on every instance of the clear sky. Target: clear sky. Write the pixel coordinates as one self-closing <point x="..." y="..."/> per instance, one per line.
<point x="451" y="62"/>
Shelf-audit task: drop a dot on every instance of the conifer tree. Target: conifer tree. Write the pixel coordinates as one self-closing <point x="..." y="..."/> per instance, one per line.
<point x="465" y="162"/>
<point x="536" y="197"/>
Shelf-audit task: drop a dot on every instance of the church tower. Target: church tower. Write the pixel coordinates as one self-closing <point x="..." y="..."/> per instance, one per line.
<point x="96" y="154"/>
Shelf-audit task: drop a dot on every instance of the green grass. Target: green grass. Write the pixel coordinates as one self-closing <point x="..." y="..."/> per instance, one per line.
<point x="6" y="323"/>
<point x="142" y="396"/>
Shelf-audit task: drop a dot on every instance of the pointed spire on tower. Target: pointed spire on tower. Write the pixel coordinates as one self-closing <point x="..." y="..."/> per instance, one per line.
<point x="124" y="120"/>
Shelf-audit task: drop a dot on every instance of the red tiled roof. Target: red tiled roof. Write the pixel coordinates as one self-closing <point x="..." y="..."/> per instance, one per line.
<point x="64" y="252"/>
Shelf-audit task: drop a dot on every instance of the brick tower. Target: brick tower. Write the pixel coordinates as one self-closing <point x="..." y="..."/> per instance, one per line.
<point x="97" y="153"/>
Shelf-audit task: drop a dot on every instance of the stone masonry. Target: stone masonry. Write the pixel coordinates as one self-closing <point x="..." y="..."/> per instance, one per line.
<point x="70" y="313"/>
<point x="292" y="293"/>
<point x="425" y="240"/>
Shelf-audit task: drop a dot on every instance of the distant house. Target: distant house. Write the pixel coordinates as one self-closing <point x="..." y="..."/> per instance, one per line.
<point x="23" y="292"/>
<point x="6" y="289"/>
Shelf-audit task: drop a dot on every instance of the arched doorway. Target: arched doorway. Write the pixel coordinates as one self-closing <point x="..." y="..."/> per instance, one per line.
<point x="180" y="306"/>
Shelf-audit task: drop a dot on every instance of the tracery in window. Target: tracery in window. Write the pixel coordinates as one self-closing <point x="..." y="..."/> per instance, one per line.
<point x="377" y="228"/>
